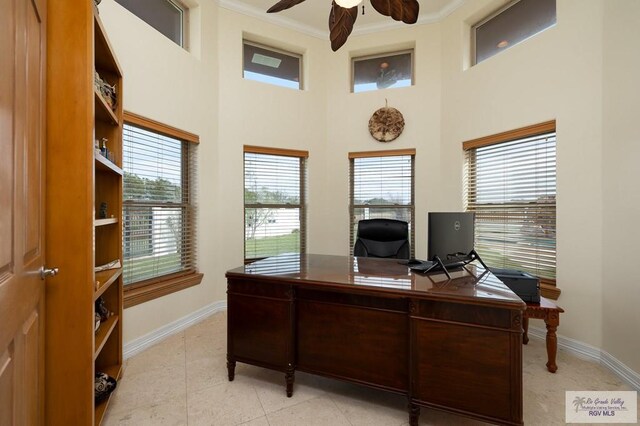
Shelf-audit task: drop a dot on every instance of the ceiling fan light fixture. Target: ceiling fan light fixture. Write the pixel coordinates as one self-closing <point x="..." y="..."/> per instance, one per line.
<point x="343" y="14"/>
<point x="348" y="4"/>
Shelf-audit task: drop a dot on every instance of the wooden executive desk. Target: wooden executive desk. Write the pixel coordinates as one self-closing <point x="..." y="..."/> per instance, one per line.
<point x="453" y="345"/>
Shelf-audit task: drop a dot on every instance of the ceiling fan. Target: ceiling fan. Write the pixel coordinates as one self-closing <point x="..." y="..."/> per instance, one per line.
<point x="344" y="13"/>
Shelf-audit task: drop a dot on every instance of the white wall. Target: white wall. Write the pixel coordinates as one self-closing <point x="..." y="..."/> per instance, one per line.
<point x="555" y="75"/>
<point x="558" y="74"/>
<point x="255" y="113"/>
<point x="621" y="176"/>
<point x="164" y="82"/>
<point x="347" y="127"/>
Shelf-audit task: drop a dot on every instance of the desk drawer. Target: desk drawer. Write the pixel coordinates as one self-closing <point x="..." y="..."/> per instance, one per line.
<point x="354" y="343"/>
<point x="260" y="324"/>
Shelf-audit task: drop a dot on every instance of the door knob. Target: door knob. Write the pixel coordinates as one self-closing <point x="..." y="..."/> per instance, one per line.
<point x="44" y="273"/>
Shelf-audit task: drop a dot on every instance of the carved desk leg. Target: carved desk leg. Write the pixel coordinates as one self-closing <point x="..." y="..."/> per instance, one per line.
<point x="552" y="322"/>
<point x="289" y="377"/>
<point x="414" y="414"/>
<point x="231" y="368"/>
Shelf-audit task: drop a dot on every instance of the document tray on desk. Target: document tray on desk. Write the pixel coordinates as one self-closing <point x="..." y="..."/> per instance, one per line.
<point x="525" y="285"/>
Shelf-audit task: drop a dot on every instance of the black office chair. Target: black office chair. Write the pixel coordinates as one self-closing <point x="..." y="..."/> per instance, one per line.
<point x="383" y="238"/>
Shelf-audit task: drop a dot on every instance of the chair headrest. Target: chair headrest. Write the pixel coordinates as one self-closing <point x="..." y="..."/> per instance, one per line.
<point x="383" y="230"/>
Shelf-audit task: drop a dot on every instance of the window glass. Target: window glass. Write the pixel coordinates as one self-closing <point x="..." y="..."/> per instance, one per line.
<point x="382" y="71"/>
<point x="511" y="187"/>
<point x="519" y="21"/>
<point x="381" y="187"/>
<point x="273" y="66"/>
<point x="158" y="205"/>
<point x="165" y="16"/>
<point x="274" y="207"/>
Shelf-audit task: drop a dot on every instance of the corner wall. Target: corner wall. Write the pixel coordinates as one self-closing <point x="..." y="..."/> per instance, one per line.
<point x="164" y="82"/>
<point x="621" y="177"/>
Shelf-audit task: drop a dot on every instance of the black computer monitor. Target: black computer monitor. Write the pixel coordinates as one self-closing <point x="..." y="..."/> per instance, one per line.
<point x="451" y="236"/>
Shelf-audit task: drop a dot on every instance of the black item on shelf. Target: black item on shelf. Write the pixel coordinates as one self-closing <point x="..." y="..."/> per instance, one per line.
<point x="102" y="310"/>
<point x="104" y="385"/>
<point x="524" y="285"/>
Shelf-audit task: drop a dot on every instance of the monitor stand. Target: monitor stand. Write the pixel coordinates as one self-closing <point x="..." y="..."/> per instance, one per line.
<point x="472" y="256"/>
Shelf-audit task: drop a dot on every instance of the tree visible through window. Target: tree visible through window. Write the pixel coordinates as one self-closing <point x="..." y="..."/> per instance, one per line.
<point x="382" y="186"/>
<point x="158" y="206"/>
<point x="274" y="202"/>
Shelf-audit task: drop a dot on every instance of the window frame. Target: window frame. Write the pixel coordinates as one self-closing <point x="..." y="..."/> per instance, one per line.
<point x="184" y="22"/>
<point x="302" y="206"/>
<point x="352" y="206"/>
<point x="488" y="18"/>
<point x="354" y="59"/>
<point x="548" y="286"/>
<point x="153" y="288"/>
<point x="298" y="56"/>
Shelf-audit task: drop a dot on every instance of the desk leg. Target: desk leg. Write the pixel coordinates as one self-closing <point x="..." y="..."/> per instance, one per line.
<point x="289" y="377"/>
<point x="414" y="414"/>
<point x="552" y="343"/>
<point x="231" y="368"/>
<point x="525" y="325"/>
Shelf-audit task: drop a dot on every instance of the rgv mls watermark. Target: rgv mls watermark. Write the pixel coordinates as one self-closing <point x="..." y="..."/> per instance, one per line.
<point x="601" y="407"/>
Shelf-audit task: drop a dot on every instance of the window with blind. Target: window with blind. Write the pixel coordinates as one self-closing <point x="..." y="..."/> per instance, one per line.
<point x="274" y="202"/>
<point x="382" y="186"/>
<point x="510" y="184"/>
<point x="159" y="210"/>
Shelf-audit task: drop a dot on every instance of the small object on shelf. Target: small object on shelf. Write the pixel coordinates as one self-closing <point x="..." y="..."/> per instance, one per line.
<point x="104" y="385"/>
<point x="107" y="91"/>
<point x="97" y="322"/>
<point x="101" y="309"/>
<point x="103" y="147"/>
<point x="115" y="264"/>
<point x="103" y="211"/>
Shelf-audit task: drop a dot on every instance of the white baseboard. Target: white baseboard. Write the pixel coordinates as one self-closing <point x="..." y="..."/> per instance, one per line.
<point x="143" y="342"/>
<point x="591" y="353"/>
<point x="575" y="347"/>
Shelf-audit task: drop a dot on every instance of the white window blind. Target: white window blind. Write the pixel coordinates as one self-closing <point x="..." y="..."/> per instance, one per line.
<point x="159" y="210"/>
<point x="381" y="186"/>
<point x="274" y="203"/>
<point x="511" y="187"/>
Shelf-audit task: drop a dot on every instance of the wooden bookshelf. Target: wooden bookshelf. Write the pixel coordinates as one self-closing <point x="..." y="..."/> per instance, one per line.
<point x="77" y="116"/>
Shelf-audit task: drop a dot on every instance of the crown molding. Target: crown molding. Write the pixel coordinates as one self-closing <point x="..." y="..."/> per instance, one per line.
<point x="279" y="20"/>
<point x="282" y="21"/>
<point x="423" y="19"/>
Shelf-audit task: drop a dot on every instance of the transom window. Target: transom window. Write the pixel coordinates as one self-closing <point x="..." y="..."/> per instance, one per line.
<point x="274" y="202"/>
<point x="382" y="186"/>
<point x="159" y="209"/>
<point x="511" y="25"/>
<point x="271" y="65"/>
<point x="167" y="16"/>
<point x="382" y="71"/>
<point x="510" y="184"/>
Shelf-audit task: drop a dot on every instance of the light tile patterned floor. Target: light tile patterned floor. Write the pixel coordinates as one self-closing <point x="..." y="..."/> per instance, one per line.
<point x="183" y="381"/>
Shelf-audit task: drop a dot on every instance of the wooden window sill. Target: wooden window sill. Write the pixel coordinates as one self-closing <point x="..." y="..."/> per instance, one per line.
<point x="549" y="291"/>
<point x="135" y="294"/>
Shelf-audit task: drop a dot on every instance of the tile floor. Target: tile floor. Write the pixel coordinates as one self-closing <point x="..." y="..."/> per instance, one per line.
<point x="183" y="381"/>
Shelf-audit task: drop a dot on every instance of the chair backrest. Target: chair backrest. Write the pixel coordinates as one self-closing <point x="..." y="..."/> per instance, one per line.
<point x="382" y="238"/>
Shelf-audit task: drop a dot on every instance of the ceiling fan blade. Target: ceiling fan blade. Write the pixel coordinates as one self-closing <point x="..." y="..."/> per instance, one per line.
<point x="341" y="22"/>
<point x="401" y="10"/>
<point x="282" y="5"/>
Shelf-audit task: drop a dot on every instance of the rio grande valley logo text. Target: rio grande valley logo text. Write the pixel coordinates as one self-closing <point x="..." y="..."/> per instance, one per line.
<point x="596" y="407"/>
